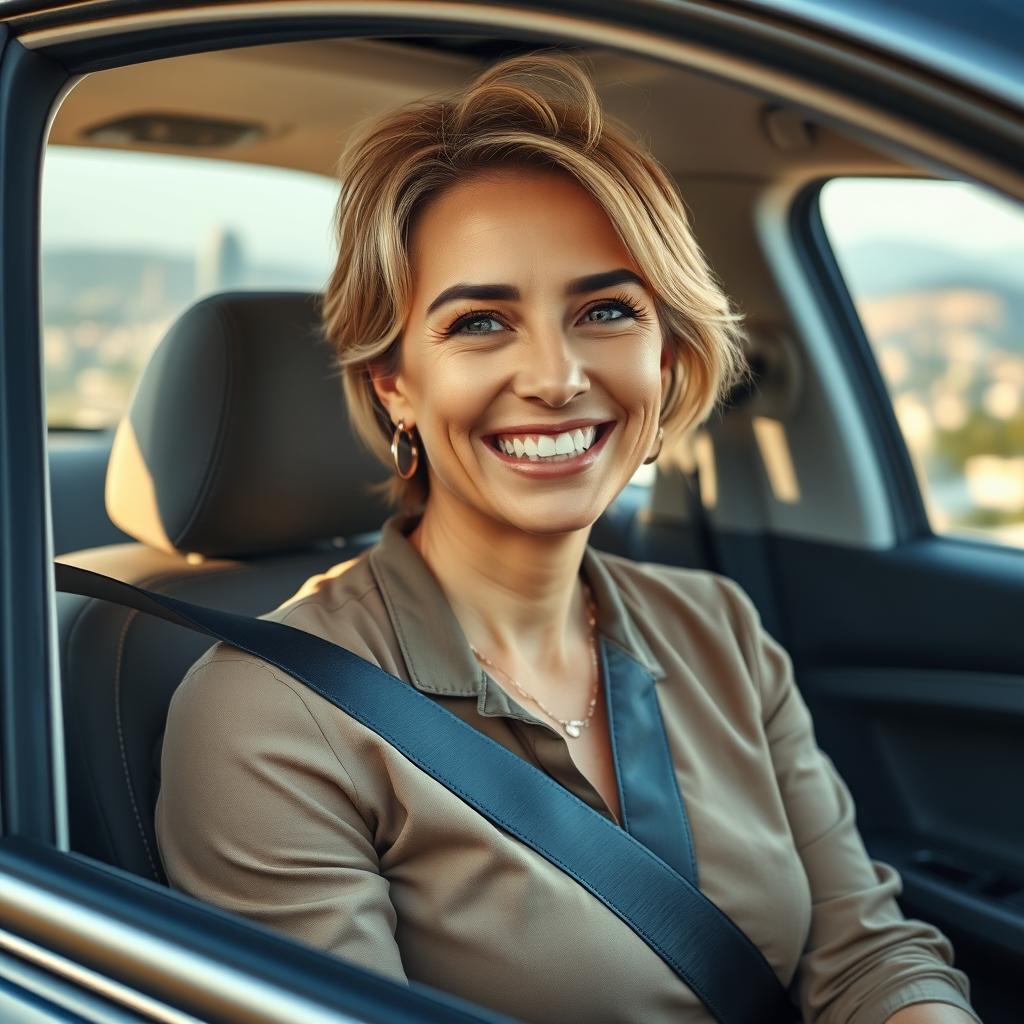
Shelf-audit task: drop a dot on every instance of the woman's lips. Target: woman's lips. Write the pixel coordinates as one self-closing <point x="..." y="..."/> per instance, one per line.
<point x="555" y="467"/>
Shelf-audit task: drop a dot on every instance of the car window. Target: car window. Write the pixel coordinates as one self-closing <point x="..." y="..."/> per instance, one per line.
<point x="129" y="240"/>
<point x="936" y="272"/>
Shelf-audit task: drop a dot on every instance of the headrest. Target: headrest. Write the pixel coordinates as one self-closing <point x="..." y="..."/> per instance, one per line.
<point x="237" y="440"/>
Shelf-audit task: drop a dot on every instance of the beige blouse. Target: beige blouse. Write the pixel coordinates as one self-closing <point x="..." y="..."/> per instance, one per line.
<point x="277" y="805"/>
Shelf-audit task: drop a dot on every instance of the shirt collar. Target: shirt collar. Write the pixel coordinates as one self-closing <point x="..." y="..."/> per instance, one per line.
<point x="435" y="649"/>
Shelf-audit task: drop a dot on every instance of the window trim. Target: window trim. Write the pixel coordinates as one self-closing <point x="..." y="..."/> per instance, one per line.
<point x="141" y="947"/>
<point x="818" y="263"/>
<point x="32" y="802"/>
<point x="910" y="511"/>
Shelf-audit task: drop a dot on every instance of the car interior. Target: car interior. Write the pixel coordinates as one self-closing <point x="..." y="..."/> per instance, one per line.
<point x="195" y="494"/>
<point x="233" y="474"/>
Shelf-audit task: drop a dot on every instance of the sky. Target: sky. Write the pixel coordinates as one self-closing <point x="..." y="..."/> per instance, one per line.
<point x="955" y="215"/>
<point x="113" y="199"/>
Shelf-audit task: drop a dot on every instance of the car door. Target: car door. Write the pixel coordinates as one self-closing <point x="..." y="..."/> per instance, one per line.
<point x="905" y="633"/>
<point x="903" y="641"/>
<point x="910" y="655"/>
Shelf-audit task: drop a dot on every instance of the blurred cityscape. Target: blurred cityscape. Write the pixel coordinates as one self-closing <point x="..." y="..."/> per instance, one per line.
<point x="104" y="310"/>
<point x="949" y="339"/>
<point x="947" y="334"/>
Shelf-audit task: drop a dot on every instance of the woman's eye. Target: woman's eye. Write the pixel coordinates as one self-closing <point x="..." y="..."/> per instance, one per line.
<point x="488" y="323"/>
<point x="476" y="325"/>
<point x="608" y="311"/>
<point x="604" y="313"/>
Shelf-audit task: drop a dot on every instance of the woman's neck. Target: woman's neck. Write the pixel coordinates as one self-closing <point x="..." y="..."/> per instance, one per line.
<point x="517" y="596"/>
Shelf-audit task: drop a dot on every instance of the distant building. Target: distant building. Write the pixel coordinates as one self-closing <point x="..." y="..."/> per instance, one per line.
<point x="220" y="264"/>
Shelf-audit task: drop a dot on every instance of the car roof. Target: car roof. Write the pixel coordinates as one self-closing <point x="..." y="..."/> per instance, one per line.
<point x="305" y="97"/>
<point x="981" y="43"/>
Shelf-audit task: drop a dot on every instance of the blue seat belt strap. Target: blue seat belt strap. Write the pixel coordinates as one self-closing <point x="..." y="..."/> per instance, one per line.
<point x="725" y="970"/>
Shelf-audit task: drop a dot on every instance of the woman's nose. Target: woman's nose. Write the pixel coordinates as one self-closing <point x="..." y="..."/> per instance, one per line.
<point x="550" y="369"/>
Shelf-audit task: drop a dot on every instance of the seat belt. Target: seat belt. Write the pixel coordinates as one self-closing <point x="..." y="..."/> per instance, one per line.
<point x="704" y="947"/>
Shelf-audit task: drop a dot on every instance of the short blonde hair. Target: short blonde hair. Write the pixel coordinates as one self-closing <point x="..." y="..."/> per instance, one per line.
<point x="540" y="110"/>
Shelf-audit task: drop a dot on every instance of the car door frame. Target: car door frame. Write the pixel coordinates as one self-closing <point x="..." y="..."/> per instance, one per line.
<point x="37" y="61"/>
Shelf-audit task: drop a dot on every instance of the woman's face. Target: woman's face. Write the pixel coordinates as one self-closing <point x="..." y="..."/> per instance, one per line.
<point x="530" y="326"/>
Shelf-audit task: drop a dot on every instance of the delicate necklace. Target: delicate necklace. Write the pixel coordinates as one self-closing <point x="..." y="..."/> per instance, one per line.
<point x="574" y="725"/>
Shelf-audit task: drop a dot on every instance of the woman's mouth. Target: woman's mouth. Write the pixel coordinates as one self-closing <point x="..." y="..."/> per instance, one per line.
<point x="551" y="454"/>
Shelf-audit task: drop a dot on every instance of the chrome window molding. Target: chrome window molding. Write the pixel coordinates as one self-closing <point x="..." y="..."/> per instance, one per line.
<point x="55" y="696"/>
<point x="86" y="994"/>
<point x="113" y="945"/>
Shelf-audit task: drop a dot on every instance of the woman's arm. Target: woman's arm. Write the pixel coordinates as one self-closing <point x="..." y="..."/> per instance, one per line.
<point x="863" y="961"/>
<point x="931" y="1013"/>
<point x="257" y="815"/>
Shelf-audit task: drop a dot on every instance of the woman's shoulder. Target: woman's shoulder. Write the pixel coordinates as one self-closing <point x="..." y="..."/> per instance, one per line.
<point x="655" y="592"/>
<point x="698" y="624"/>
<point x="342" y="604"/>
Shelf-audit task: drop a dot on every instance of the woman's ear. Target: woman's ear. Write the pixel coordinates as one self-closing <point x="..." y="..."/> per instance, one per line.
<point x="390" y="389"/>
<point x="668" y="348"/>
<point x="668" y="358"/>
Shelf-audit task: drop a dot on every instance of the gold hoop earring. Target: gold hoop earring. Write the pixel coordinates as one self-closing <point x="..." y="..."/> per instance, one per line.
<point x="399" y="430"/>
<point x="654" y="457"/>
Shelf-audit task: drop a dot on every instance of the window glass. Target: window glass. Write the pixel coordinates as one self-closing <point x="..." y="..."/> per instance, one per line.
<point x="129" y="240"/>
<point x="936" y="271"/>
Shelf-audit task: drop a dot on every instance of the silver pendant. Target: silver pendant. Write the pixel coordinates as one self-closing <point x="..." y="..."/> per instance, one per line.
<point x="573" y="728"/>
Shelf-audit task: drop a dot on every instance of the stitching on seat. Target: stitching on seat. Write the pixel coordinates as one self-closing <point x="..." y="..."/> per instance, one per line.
<point x="213" y="466"/>
<point x="69" y="644"/>
<point x="122" y="746"/>
<point x="80" y="617"/>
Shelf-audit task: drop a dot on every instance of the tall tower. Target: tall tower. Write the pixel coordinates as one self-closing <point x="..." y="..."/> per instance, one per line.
<point x="220" y="264"/>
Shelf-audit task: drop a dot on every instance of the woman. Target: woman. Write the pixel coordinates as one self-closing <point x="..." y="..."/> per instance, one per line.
<point x="523" y="316"/>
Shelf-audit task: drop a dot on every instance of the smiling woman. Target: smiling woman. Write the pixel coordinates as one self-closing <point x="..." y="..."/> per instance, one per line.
<point x="522" y="315"/>
<point x="524" y="138"/>
<point x="555" y="353"/>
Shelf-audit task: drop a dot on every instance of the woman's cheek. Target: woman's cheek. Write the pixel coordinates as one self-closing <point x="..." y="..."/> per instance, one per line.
<point x="462" y="391"/>
<point x="635" y="380"/>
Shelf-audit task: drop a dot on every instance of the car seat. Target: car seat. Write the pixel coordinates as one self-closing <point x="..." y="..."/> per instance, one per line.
<point x="237" y="473"/>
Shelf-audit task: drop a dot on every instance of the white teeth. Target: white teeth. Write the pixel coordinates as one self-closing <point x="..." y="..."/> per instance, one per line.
<point x="547" y="446"/>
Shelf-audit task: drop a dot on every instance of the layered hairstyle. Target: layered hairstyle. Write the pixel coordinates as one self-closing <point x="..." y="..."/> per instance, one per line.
<point x="537" y="110"/>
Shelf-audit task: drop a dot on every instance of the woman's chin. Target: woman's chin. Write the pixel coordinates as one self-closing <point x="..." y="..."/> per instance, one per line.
<point x="551" y="516"/>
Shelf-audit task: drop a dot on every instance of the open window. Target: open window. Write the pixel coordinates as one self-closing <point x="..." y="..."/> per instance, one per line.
<point x="936" y="272"/>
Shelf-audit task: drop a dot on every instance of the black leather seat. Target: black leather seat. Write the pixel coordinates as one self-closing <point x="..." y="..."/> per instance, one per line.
<point x="238" y="475"/>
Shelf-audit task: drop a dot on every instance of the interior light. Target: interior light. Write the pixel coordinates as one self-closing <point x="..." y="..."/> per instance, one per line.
<point x="174" y="130"/>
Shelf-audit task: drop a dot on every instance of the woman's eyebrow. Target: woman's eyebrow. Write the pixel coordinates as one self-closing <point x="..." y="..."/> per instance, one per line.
<point x="606" y="279"/>
<point x="510" y="293"/>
